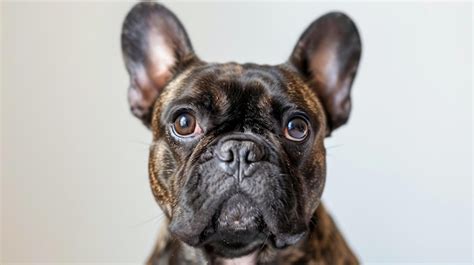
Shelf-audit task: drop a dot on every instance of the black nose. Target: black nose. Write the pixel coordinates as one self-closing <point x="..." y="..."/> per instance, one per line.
<point x="236" y="155"/>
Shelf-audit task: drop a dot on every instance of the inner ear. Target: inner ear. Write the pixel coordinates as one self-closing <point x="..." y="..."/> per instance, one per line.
<point x="327" y="56"/>
<point x="155" y="48"/>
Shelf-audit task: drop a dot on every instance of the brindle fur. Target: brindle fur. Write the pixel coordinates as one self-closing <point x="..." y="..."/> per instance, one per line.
<point x="260" y="96"/>
<point x="324" y="245"/>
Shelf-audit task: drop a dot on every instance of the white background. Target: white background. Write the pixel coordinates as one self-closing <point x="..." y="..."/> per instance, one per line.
<point x="74" y="177"/>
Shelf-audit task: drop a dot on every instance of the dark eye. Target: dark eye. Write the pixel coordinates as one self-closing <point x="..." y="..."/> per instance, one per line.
<point x="186" y="125"/>
<point x="296" y="129"/>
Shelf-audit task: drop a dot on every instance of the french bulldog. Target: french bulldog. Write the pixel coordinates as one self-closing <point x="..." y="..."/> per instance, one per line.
<point x="238" y="161"/>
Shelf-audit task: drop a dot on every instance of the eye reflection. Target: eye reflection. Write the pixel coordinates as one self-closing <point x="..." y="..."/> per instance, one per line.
<point x="185" y="125"/>
<point x="296" y="129"/>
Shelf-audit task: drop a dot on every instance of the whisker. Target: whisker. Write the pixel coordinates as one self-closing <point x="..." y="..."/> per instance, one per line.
<point x="264" y="243"/>
<point x="156" y="218"/>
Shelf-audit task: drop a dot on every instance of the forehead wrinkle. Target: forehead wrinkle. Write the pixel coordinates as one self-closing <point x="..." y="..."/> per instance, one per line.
<point x="212" y="86"/>
<point x="289" y="92"/>
<point x="258" y="74"/>
<point x="203" y="90"/>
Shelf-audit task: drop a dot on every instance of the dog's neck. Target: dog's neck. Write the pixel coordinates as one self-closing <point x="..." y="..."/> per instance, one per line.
<point x="324" y="243"/>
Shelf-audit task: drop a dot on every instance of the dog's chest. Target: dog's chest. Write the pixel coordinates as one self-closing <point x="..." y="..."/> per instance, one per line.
<point x="250" y="259"/>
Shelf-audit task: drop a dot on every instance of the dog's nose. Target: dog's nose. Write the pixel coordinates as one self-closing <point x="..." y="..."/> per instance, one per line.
<point x="236" y="155"/>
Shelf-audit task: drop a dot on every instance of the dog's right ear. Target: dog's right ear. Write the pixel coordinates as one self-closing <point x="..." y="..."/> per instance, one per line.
<point x="155" y="48"/>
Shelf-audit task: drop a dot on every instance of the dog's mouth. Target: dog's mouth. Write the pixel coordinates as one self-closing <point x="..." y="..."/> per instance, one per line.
<point x="237" y="229"/>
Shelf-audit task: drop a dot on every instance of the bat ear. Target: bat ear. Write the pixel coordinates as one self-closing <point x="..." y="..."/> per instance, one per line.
<point x="155" y="48"/>
<point x="327" y="55"/>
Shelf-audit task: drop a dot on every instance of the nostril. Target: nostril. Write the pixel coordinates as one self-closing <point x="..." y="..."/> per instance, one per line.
<point x="254" y="156"/>
<point x="249" y="156"/>
<point x="238" y="151"/>
<point x="252" y="153"/>
<point x="225" y="153"/>
<point x="226" y="156"/>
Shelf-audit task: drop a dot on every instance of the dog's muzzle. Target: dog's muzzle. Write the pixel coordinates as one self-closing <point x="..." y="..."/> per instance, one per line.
<point x="237" y="155"/>
<point x="247" y="200"/>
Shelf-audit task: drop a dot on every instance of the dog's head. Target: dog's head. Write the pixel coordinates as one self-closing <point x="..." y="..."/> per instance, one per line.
<point x="238" y="152"/>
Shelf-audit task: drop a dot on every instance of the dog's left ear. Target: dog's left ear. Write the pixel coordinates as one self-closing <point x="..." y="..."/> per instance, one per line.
<point x="327" y="56"/>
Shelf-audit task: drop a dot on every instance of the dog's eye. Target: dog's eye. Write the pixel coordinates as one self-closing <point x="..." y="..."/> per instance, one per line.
<point x="296" y="129"/>
<point x="186" y="125"/>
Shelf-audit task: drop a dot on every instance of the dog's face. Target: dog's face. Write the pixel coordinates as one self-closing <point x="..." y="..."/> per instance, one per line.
<point x="238" y="155"/>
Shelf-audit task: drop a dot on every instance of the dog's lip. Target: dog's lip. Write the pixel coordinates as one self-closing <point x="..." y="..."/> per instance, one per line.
<point x="222" y="245"/>
<point x="237" y="227"/>
<point x="238" y="213"/>
<point x="255" y="225"/>
<point x="234" y="237"/>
